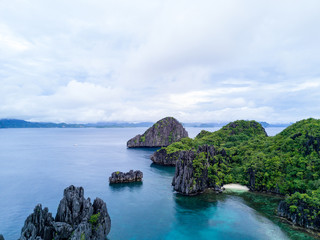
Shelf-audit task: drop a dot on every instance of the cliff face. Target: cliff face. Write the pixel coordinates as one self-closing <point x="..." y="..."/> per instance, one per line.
<point x="161" y="134"/>
<point x="301" y="215"/>
<point x="76" y="219"/>
<point x="193" y="174"/>
<point x="161" y="157"/>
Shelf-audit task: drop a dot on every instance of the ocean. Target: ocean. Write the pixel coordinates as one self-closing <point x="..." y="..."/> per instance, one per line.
<point x="36" y="165"/>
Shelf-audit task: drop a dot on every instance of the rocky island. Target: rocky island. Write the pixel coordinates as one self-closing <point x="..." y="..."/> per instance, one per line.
<point x="241" y="152"/>
<point x="164" y="132"/>
<point x="131" y="176"/>
<point x="76" y="219"/>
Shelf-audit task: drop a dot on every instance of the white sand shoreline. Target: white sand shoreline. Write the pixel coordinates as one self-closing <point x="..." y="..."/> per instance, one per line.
<point x="235" y="186"/>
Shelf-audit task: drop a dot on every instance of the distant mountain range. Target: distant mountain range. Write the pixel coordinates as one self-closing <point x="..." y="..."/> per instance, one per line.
<point x="17" y="123"/>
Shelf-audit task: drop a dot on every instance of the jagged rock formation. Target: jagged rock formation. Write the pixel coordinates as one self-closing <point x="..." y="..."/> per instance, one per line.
<point x="1" y="237"/>
<point x="161" y="157"/>
<point x="76" y="218"/>
<point x="38" y="224"/>
<point x="192" y="174"/>
<point x="131" y="176"/>
<point x="301" y="215"/>
<point x="164" y="132"/>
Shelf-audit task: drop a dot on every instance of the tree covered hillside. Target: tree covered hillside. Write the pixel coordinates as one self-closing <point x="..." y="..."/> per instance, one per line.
<point x="286" y="163"/>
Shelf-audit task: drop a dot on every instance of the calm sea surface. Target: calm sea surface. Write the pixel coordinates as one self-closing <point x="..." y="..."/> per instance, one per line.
<point x="37" y="164"/>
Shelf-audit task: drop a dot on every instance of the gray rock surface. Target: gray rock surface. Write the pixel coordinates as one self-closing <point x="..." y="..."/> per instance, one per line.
<point x="98" y="226"/>
<point x="162" y="158"/>
<point x="185" y="180"/>
<point x="73" y="207"/>
<point x="62" y="230"/>
<point x="300" y="217"/>
<point x="76" y="218"/>
<point x="131" y="176"/>
<point x="103" y="224"/>
<point x="164" y="132"/>
<point x="38" y="224"/>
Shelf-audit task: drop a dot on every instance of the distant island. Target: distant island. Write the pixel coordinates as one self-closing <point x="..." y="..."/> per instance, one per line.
<point x="18" y="123"/>
<point x="164" y="132"/>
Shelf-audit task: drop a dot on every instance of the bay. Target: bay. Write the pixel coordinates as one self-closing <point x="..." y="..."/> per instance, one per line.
<point x="37" y="164"/>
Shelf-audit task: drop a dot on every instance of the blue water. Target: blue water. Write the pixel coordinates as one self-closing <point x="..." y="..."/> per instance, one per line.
<point x="37" y="164"/>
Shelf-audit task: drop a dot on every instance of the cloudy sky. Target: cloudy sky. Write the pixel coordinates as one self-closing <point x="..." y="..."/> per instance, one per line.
<point x="141" y="60"/>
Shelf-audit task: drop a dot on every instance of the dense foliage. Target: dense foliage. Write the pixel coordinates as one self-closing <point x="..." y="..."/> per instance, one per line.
<point x="288" y="163"/>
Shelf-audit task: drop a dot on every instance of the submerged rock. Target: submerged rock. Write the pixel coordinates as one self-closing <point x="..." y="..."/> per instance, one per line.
<point x="131" y="176"/>
<point x="164" y="132"/>
<point x="1" y="237"/>
<point x="191" y="179"/>
<point x="76" y="218"/>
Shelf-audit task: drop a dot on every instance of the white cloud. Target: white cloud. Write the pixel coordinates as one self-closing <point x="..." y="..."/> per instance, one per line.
<point x="139" y="61"/>
<point x="11" y="43"/>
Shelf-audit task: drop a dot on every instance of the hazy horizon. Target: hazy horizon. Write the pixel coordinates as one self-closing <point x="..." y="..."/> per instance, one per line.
<point x="141" y="122"/>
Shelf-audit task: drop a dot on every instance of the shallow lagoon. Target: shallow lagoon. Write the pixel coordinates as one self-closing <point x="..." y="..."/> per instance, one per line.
<point x="37" y="164"/>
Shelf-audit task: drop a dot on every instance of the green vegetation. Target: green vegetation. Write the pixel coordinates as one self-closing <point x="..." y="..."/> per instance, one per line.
<point x="83" y="237"/>
<point x="143" y="138"/>
<point x="288" y="163"/>
<point x="182" y="145"/>
<point x="170" y="137"/>
<point x="229" y="136"/>
<point x="163" y="122"/>
<point x="94" y="219"/>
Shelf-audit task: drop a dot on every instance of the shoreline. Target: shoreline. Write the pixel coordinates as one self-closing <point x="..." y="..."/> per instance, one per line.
<point x="235" y="186"/>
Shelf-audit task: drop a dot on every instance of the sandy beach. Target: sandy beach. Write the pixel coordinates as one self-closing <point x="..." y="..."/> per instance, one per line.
<point x="235" y="186"/>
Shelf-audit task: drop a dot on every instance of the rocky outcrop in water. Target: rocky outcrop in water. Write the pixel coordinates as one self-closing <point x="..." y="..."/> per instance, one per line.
<point x="191" y="175"/>
<point x="39" y="225"/>
<point x="301" y="215"/>
<point x="131" y="176"/>
<point x="1" y="237"/>
<point x="161" y="157"/>
<point x="76" y="218"/>
<point x="161" y="134"/>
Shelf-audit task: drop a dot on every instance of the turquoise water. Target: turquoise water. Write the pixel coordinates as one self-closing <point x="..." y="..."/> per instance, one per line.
<point x="37" y="164"/>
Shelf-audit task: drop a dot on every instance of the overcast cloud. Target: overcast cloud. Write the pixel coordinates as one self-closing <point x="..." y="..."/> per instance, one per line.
<point x="199" y="61"/>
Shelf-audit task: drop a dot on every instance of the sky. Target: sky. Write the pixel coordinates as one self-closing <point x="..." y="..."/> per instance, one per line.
<point x="198" y="61"/>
